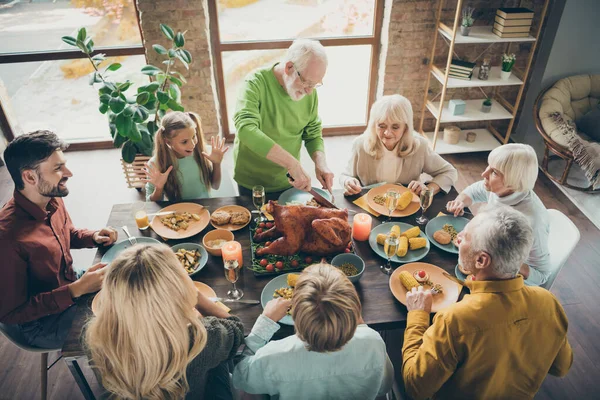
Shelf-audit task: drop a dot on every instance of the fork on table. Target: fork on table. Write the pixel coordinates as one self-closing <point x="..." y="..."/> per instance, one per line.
<point x="131" y="239"/>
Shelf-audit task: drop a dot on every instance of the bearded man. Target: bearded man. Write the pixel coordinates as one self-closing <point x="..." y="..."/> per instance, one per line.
<point x="38" y="282"/>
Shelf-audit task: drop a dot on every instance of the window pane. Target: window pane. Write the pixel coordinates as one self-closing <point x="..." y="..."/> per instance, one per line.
<point x="277" y="19"/>
<point x="345" y="82"/>
<point x="37" y="26"/>
<point x="56" y="95"/>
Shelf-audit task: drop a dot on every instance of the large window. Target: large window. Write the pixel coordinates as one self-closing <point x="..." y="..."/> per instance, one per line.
<point x="253" y="34"/>
<point x="44" y="83"/>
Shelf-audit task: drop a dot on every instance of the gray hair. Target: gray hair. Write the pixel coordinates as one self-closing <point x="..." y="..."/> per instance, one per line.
<point x="303" y="50"/>
<point x="518" y="163"/>
<point x="506" y="235"/>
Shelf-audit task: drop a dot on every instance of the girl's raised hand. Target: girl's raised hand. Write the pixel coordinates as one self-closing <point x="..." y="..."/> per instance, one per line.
<point x="218" y="150"/>
<point x="155" y="177"/>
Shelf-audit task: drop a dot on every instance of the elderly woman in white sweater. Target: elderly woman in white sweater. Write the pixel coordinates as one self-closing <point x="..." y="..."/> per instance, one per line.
<point x="509" y="179"/>
<point x="390" y="151"/>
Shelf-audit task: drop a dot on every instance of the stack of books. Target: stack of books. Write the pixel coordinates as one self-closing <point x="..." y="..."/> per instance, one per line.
<point x="461" y="69"/>
<point x="512" y="22"/>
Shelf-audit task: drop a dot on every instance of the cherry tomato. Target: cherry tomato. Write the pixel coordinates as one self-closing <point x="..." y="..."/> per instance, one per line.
<point x="294" y="264"/>
<point x="279" y="265"/>
<point x="347" y="251"/>
<point x="270" y="267"/>
<point x="261" y="225"/>
<point x="263" y="262"/>
<point x="269" y="225"/>
<point x="422" y="274"/>
<point x="267" y="244"/>
<point x="259" y="231"/>
<point x="308" y="260"/>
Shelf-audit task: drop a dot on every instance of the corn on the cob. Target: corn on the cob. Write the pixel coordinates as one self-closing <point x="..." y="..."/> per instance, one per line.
<point x="417" y="243"/>
<point x="407" y="280"/>
<point x="412" y="232"/>
<point x="404" y="200"/>
<point x="402" y="246"/>
<point x="291" y="279"/>
<point x="381" y="238"/>
<point x="395" y="230"/>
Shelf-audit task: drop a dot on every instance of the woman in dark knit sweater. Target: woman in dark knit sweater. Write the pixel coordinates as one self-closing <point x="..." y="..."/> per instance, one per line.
<point x="147" y="340"/>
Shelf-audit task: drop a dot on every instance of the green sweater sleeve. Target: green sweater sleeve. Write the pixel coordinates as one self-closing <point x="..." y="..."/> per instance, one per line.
<point x="312" y="135"/>
<point x="247" y="120"/>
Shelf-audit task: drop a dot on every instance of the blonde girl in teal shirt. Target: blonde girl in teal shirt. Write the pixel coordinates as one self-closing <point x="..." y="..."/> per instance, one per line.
<point x="180" y="168"/>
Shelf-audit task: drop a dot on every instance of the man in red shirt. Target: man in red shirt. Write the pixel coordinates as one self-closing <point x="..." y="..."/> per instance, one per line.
<point x="37" y="282"/>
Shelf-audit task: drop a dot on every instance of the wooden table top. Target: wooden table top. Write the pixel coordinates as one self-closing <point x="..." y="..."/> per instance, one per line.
<point x="381" y="311"/>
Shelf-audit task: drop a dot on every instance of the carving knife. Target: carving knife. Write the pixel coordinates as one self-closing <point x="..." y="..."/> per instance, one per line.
<point x="318" y="198"/>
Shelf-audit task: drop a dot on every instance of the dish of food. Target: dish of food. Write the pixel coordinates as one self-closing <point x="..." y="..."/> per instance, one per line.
<point x="448" y="291"/>
<point x="295" y="196"/>
<point x="348" y="269"/>
<point x="216" y="244"/>
<point x="185" y="211"/>
<point x="421" y="276"/>
<point x="192" y="256"/>
<point x="442" y="231"/>
<point x="279" y="285"/>
<point x="376" y="200"/>
<point x="232" y="217"/>
<point x="413" y="244"/>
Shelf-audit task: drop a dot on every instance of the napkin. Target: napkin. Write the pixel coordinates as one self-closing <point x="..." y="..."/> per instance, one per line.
<point x="362" y="203"/>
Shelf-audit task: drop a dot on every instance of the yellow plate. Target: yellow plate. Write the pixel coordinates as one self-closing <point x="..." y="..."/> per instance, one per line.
<point x="230" y="209"/>
<point x="412" y="208"/>
<point x="194" y="226"/>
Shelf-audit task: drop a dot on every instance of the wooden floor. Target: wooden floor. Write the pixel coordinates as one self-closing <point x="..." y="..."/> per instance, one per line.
<point x="98" y="183"/>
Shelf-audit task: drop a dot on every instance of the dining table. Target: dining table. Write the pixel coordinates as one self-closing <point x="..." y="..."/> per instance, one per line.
<point x="380" y="309"/>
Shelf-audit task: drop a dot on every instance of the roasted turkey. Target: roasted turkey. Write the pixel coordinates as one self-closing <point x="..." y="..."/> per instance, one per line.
<point x="313" y="230"/>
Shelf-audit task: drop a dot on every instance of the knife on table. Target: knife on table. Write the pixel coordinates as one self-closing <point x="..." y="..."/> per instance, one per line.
<point x="318" y="198"/>
<point x="222" y="300"/>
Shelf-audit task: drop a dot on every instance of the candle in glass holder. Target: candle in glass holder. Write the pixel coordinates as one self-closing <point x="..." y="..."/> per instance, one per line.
<point x="361" y="226"/>
<point x="232" y="251"/>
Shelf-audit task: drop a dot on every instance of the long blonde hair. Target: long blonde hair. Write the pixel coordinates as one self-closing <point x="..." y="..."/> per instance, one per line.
<point x="397" y="109"/>
<point x="146" y="330"/>
<point x="165" y="157"/>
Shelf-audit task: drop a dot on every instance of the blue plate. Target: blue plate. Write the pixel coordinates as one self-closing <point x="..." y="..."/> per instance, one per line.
<point x="294" y="195"/>
<point x="437" y="223"/>
<point x="411" y="255"/>
<point x="459" y="274"/>
<point x="267" y="295"/>
<point x="117" y="248"/>
<point x="194" y="246"/>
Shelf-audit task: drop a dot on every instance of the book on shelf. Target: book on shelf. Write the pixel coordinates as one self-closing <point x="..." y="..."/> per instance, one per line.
<point x="511" y="34"/>
<point x="514" y="13"/>
<point x="463" y="77"/>
<point x="460" y="65"/>
<point x="513" y="22"/>
<point x="457" y="72"/>
<point x="512" y="29"/>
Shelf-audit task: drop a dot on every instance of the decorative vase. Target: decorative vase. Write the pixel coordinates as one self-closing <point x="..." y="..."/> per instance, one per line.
<point x="471" y="136"/>
<point x="505" y="75"/>
<point x="452" y="134"/>
<point x="484" y="70"/>
<point x="464" y="30"/>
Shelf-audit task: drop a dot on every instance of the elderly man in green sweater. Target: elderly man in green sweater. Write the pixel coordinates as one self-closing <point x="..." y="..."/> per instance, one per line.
<point x="276" y="111"/>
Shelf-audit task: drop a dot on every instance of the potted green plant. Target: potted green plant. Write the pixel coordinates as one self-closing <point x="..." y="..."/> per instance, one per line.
<point x="486" y="106"/>
<point x="467" y="21"/>
<point x="508" y="61"/>
<point x="134" y="113"/>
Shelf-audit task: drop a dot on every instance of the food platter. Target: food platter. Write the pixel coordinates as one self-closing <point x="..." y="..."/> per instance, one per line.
<point x="269" y="290"/>
<point x="194" y="227"/>
<point x="232" y="209"/>
<point x="412" y="208"/>
<point x="437" y="224"/>
<point x="451" y="289"/>
<point x="411" y="255"/>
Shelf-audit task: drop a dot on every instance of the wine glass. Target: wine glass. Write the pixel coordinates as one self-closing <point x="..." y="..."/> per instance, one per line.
<point x="390" y="247"/>
<point x="391" y="201"/>
<point x="425" y="198"/>
<point x="258" y="198"/>
<point x="232" y="274"/>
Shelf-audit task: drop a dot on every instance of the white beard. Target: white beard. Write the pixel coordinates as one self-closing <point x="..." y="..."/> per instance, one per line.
<point x="288" y="81"/>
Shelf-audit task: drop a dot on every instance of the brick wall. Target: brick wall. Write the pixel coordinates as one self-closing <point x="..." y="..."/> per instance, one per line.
<point x="198" y="94"/>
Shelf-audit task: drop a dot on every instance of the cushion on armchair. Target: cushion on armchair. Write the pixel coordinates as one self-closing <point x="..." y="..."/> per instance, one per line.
<point x="590" y="124"/>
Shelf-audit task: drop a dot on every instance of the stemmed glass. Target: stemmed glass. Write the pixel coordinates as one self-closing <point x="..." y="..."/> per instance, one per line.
<point x="232" y="274"/>
<point x="425" y="198"/>
<point x="258" y="198"/>
<point x="390" y="247"/>
<point x="391" y="201"/>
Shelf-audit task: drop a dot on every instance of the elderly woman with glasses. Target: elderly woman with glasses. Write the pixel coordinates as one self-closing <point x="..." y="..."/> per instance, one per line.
<point x="509" y="180"/>
<point x="277" y="110"/>
<point x="390" y="151"/>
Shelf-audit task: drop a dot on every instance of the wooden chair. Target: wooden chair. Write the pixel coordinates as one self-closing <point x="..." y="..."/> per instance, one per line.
<point x="134" y="172"/>
<point x="14" y="335"/>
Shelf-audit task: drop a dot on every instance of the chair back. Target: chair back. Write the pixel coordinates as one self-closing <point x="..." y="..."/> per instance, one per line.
<point x="13" y="334"/>
<point x="562" y="239"/>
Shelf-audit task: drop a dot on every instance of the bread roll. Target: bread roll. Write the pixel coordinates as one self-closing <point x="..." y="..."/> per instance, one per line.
<point x="442" y="237"/>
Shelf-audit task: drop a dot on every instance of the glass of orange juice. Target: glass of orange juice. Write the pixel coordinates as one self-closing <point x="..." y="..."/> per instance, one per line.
<point x="141" y="217"/>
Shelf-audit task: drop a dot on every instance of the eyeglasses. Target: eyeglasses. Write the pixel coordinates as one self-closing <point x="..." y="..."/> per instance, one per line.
<point x="305" y="83"/>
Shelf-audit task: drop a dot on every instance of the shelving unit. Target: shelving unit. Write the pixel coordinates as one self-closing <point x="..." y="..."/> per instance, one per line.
<point x="489" y="137"/>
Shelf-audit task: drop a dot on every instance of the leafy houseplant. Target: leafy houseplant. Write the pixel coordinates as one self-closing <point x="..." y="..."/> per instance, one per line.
<point x="134" y="118"/>
<point x="508" y="61"/>
<point x="467" y="21"/>
<point x="486" y="106"/>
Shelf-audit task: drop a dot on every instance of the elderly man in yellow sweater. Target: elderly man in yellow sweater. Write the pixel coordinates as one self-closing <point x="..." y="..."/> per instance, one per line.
<point x="501" y="340"/>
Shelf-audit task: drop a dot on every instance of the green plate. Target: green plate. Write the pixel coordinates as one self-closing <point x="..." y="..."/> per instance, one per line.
<point x="267" y="295"/>
<point x="437" y="223"/>
<point x="411" y="255"/>
<point x="117" y="248"/>
<point x="294" y="195"/>
<point x="459" y="274"/>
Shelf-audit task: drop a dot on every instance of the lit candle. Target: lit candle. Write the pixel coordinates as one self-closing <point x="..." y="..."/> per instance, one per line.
<point x="233" y="251"/>
<point x="361" y="226"/>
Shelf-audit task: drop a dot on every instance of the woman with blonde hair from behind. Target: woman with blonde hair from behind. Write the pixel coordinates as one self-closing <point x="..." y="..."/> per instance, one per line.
<point x="391" y="151"/>
<point x="509" y="180"/>
<point x="147" y="340"/>
<point x="333" y="355"/>
<point x="181" y="168"/>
